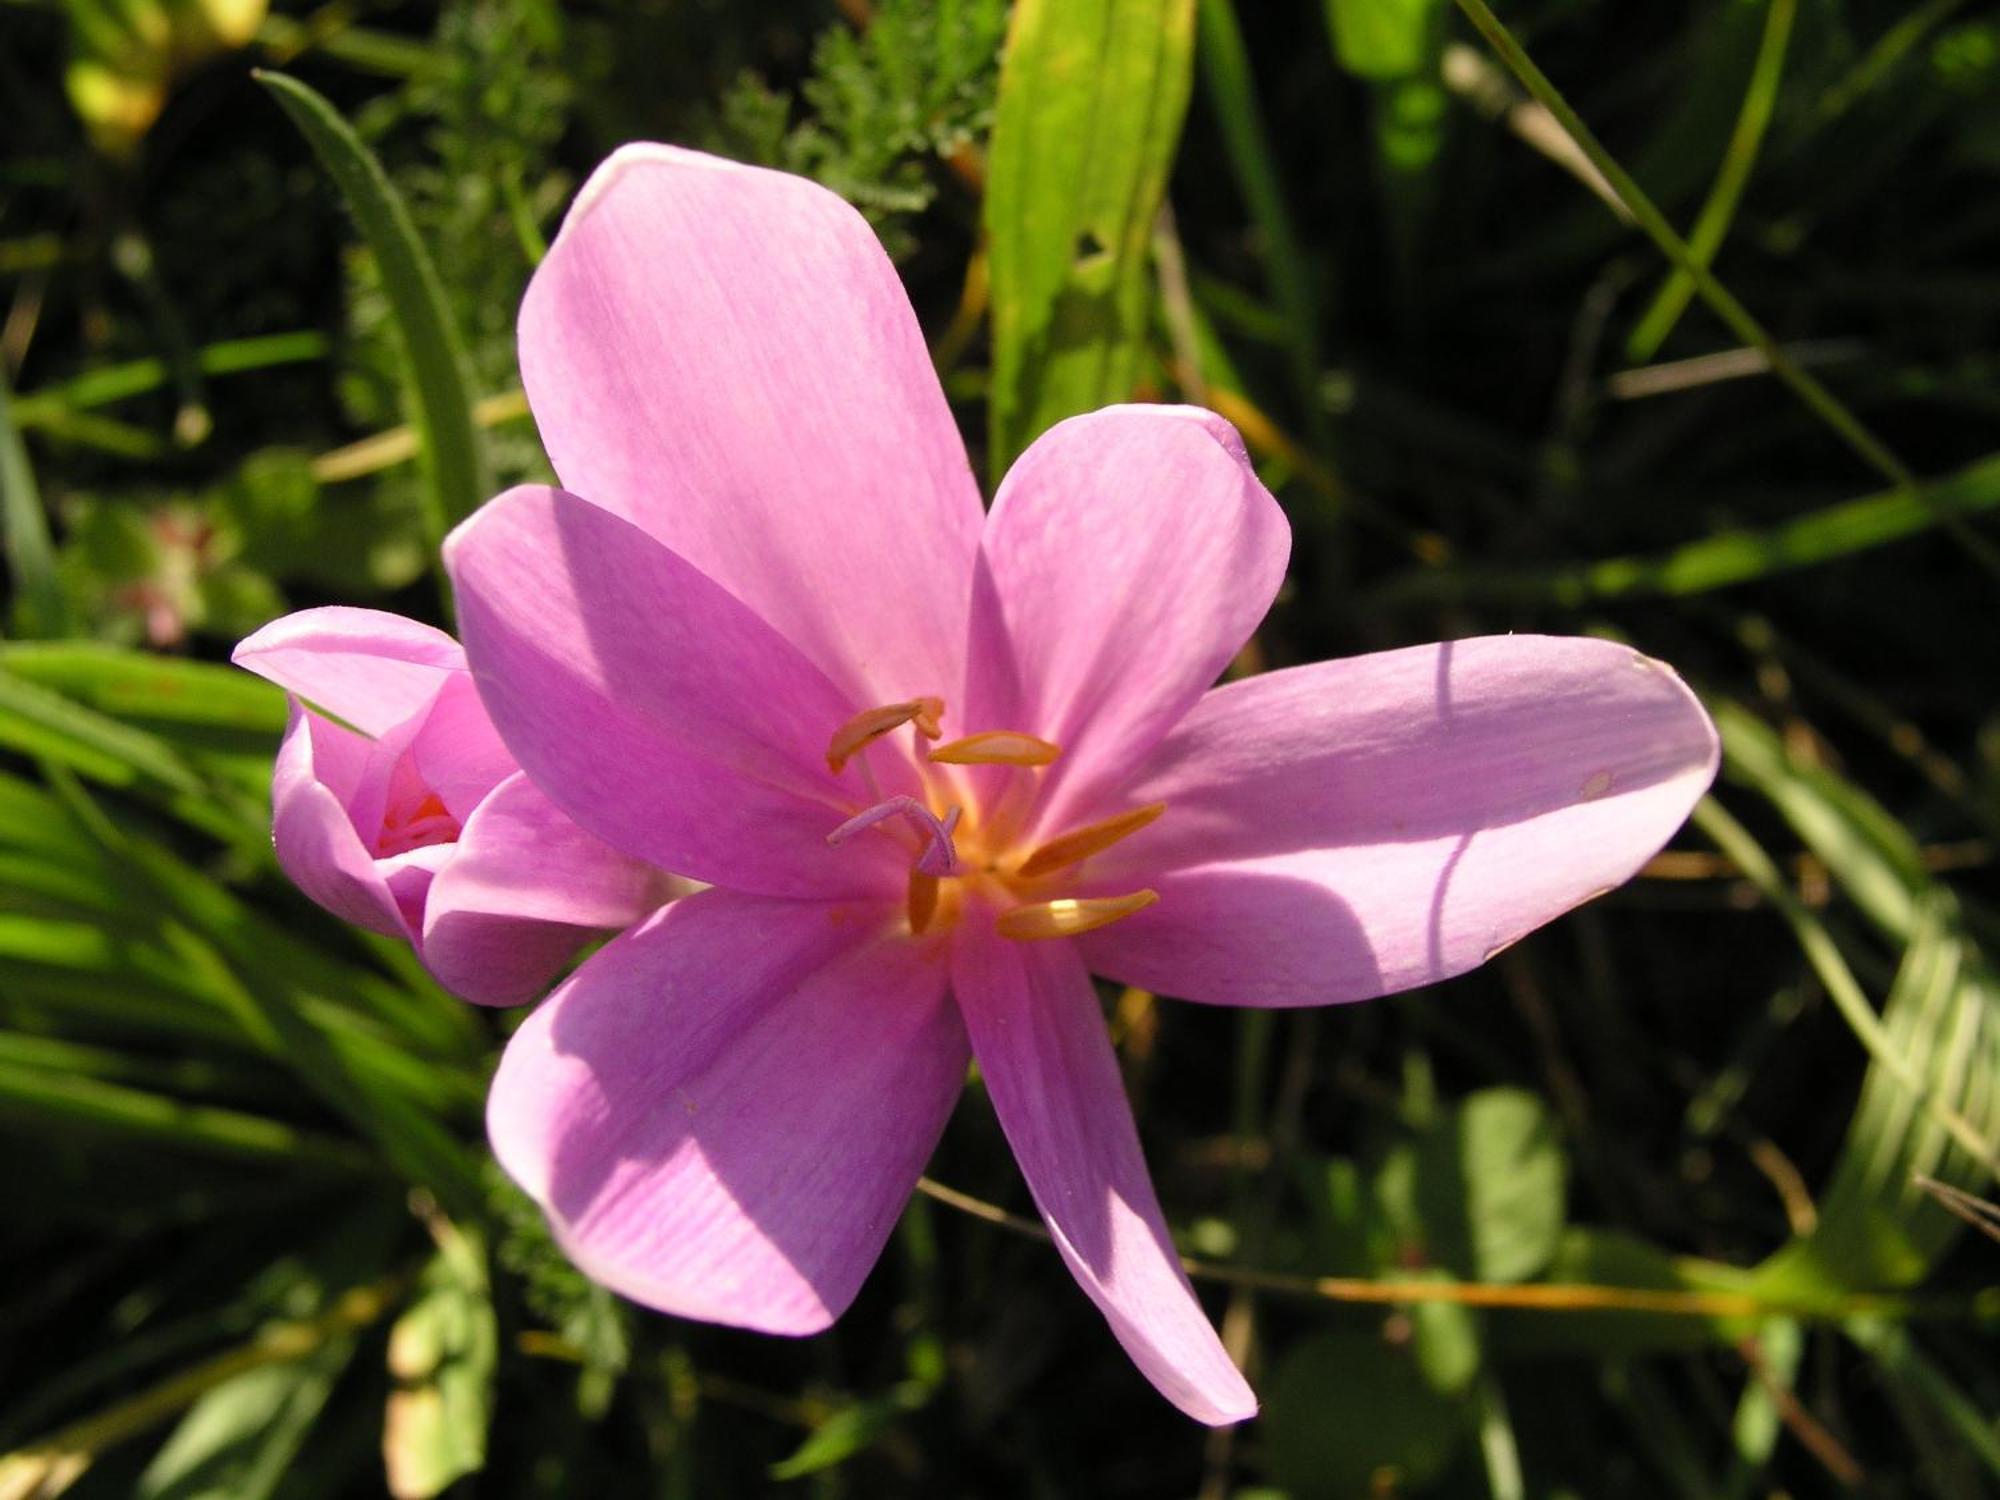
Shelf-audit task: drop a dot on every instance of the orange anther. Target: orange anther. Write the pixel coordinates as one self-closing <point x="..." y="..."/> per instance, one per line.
<point x="1071" y="916"/>
<point x="871" y="724"/>
<point x="1081" y="843"/>
<point x="996" y="747"/>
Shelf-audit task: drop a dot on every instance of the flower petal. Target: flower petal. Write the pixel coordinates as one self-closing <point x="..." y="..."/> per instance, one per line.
<point x="656" y="710"/>
<point x="368" y="667"/>
<point x="724" y="355"/>
<point x="1129" y="555"/>
<point x="523" y="890"/>
<point x="1046" y="1058"/>
<point x="458" y="753"/>
<point x="1352" y="828"/>
<point x="724" y="1111"/>
<point x="318" y="765"/>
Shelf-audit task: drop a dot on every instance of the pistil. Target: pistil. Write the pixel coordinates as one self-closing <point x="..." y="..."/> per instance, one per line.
<point x="939" y="856"/>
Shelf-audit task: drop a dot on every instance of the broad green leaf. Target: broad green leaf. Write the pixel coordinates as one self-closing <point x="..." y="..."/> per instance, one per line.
<point x="39" y="606"/>
<point x="443" y="1351"/>
<point x="1352" y="1402"/>
<point x="1092" y="93"/>
<point x="440" y="379"/>
<point x="1482" y="1190"/>
<point x="1877" y="1229"/>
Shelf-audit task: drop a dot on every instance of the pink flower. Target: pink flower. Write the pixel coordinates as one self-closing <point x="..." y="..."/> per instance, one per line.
<point x="409" y="817"/>
<point x="941" y="766"/>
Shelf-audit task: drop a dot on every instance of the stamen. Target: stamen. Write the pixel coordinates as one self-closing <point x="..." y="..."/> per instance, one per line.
<point x="1067" y="918"/>
<point x="871" y="724"/>
<point x="1081" y="843"/>
<point x="996" y="747"/>
<point x="939" y="856"/>
<point x="922" y="901"/>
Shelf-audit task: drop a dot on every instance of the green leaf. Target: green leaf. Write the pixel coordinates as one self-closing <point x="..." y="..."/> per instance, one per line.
<point x="440" y="379"/>
<point x="1488" y="1187"/>
<point x="1092" y="93"/>
<point x="1352" y="1402"/>
<point x="39" y="607"/>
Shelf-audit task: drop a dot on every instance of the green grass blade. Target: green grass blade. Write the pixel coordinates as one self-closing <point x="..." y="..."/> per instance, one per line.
<point x="1817" y="398"/>
<point x="1728" y="558"/>
<point x="1897" y="1355"/>
<point x="1872" y="855"/>
<point x="136" y="377"/>
<point x="1226" y="78"/>
<point x="39" y="608"/>
<point x="143" y="685"/>
<point x="1842" y="988"/>
<point x="1877" y="1228"/>
<point x="1739" y="158"/>
<point x="64" y="1100"/>
<point x="1092" y="94"/>
<point x="441" y="384"/>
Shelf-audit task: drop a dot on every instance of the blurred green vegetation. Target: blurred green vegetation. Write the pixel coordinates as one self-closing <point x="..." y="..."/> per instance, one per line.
<point x="1679" y="322"/>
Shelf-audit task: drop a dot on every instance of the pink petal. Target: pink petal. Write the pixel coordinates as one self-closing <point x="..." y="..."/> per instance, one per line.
<point x="1046" y="1058"/>
<point x="724" y="355"/>
<point x="458" y="752"/>
<point x="653" y="708"/>
<point x="523" y="890"/>
<point x="724" y="1111"/>
<point x="318" y="762"/>
<point x="371" y="669"/>
<point x="1129" y="556"/>
<point x="1352" y="828"/>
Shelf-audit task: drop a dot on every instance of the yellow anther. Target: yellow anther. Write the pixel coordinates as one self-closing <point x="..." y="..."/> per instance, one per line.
<point x="996" y="747"/>
<point x="871" y="724"/>
<point x="1081" y="843"/>
<point x="1067" y="918"/>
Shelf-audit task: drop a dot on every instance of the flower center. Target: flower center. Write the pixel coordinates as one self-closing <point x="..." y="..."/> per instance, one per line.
<point x="958" y="863"/>
<point x="414" y="816"/>
<point x="415" y="826"/>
